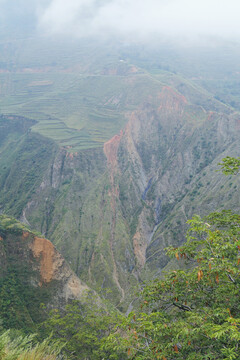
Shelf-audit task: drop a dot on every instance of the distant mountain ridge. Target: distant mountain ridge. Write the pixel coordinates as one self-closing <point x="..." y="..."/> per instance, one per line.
<point x="112" y="210"/>
<point x="116" y="158"/>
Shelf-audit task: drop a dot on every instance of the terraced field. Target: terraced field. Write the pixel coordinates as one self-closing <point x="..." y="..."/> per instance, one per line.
<point x="74" y="92"/>
<point x="81" y="93"/>
<point x="76" y="110"/>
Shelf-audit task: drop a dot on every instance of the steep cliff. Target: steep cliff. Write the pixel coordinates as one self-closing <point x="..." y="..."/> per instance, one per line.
<point x="112" y="210"/>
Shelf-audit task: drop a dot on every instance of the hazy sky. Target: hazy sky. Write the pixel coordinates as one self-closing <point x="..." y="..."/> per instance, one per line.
<point x="140" y="17"/>
<point x="133" y="17"/>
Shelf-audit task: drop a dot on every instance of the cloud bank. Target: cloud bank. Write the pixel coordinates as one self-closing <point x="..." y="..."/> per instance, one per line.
<point x="140" y="17"/>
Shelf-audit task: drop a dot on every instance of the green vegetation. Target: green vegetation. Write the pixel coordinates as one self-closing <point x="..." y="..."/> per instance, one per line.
<point x="9" y="224"/>
<point x="192" y="313"/>
<point x="230" y="165"/>
<point x="82" y="329"/>
<point x="195" y="313"/>
<point x="77" y="111"/>
<point x="18" y="347"/>
<point x="79" y="96"/>
<point x="220" y="77"/>
<point x="20" y="301"/>
<point x="22" y="163"/>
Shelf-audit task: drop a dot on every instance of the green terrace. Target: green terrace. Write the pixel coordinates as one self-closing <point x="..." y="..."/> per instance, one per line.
<point x="80" y="111"/>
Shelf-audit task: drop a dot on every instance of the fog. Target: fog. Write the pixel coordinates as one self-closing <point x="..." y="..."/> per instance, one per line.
<point x="140" y="18"/>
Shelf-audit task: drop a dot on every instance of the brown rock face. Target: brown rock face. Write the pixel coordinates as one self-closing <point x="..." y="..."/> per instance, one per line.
<point x="45" y="266"/>
<point x="44" y="250"/>
<point x="53" y="267"/>
<point x="111" y="149"/>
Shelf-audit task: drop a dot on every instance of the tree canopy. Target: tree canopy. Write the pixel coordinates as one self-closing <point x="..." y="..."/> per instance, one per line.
<point x="192" y="313"/>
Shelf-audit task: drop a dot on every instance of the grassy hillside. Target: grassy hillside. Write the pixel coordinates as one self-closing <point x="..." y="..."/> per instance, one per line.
<point x="114" y="159"/>
<point x="81" y="92"/>
<point x="76" y="92"/>
<point x="20" y="304"/>
<point x="75" y="110"/>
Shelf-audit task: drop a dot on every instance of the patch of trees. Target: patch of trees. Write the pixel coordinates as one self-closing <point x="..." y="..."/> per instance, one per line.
<point x="192" y="313"/>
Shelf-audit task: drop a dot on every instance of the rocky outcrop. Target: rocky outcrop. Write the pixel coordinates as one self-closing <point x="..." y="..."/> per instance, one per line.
<point x="111" y="211"/>
<point x="45" y="267"/>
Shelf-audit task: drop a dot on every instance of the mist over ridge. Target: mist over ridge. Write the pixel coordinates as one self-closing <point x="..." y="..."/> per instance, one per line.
<point x="141" y="18"/>
<point x="138" y="20"/>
